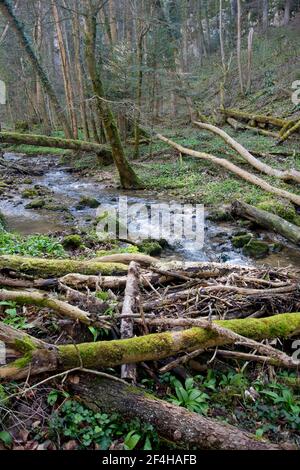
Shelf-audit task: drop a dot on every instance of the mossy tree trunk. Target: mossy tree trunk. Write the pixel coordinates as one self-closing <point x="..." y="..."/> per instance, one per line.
<point x="55" y="142"/>
<point x="128" y="178"/>
<point x="267" y="220"/>
<point x="59" y="267"/>
<point x="154" y="347"/>
<point x="245" y="116"/>
<point x="8" y="13"/>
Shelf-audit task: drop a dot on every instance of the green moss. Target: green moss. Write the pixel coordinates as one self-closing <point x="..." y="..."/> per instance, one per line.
<point x="282" y="209"/>
<point x="59" y="267"/>
<point x="21" y="126"/>
<point x="30" y="193"/>
<point x="150" y="247"/>
<point x="22" y="362"/>
<point x="72" y="242"/>
<point x="86" y="201"/>
<point x="36" y="204"/>
<point x="55" y="207"/>
<point x="24" y="345"/>
<point x="239" y="241"/>
<point x="2" y="222"/>
<point x="161" y="345"/>
<point x="256" y="249"/>
<point x="118" y="250"/>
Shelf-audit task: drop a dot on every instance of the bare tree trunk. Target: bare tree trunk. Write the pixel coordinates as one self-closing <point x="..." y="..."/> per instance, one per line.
<point x="40" y="98"/>
<point x="221" y="35"/>
<point x="207" y="28"/>
<point x="130" y="306"/>
<point x="6" y="28"/>
<point x="173" y="423"/>
<point x="239" y="45"/>
<point x="128" y="178"/>
<point x="65" y="70"/>
<point x="201" y="31"/>
<point x="113" y="21"/>
<point x="265" y="14"/>
<point x="287" y="12"/>
<point x="250" y="58"/>
<point x="18" y="28"/>
<point x="79" y="72"/>
<point x="24" y="41"/>
<point x="141" y="33"/>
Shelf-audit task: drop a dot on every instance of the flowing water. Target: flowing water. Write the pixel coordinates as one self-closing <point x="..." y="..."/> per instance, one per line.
<point x="67" y="189"/>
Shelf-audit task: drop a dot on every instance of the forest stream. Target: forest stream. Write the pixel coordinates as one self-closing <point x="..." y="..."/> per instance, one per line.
<point x="64" y="188"/>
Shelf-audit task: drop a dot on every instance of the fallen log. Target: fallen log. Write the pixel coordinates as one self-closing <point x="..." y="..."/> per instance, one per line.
<point x="127" y="258"/>
<point x="280" y="358"/>
<point x="267" y="220"/>
<point x="234" y="169"/>
<point x="172" y="422"/>
<point x="47" y="267"/>
<point x="130" y="306"/>
<point x="151" y="347"/>
<point x="26" y="284"/>
<point x="43" y="300"/>
<point x="55" y="142"/>
<point x="236" y="125"/>
<point x="59" y="267"/>
<point x="287" y="175"/>
<point x="12" y="169"/>
<point x="289" y="132"/>
<point x="244" y="116"/>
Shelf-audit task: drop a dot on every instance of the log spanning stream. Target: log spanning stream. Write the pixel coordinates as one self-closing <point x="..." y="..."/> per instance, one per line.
<point x="65" y="188"/>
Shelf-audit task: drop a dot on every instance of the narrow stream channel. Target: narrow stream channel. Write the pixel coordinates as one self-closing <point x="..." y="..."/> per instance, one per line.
<point x="67" y="189"/>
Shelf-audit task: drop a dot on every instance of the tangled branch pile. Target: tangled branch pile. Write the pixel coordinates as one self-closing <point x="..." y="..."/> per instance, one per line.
<point x="169" y="313"/>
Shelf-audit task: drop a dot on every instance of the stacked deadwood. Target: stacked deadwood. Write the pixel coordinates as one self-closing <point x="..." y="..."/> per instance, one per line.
<point x="169" y="313"/>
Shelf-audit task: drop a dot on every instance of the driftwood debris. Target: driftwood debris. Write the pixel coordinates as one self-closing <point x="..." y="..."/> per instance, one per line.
<point x="160" y="316"/>
<point x="130" y="306"/>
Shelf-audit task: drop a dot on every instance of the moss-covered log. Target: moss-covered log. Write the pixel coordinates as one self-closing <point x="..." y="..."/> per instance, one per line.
<point x="244" y="116"/>
<point x="267" y="220"/>
<point x="59" y="267"/>
<point x="56" y="142"/>
<point x="158" y="346"/>
<point x="174" y="423"/>
<point x="288" y="132"/>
